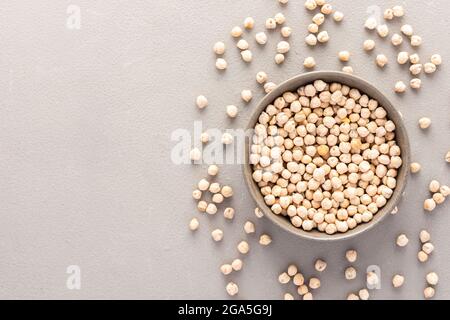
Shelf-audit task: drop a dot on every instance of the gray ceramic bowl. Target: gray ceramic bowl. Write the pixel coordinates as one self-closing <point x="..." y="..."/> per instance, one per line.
<point x="401" y="137"/>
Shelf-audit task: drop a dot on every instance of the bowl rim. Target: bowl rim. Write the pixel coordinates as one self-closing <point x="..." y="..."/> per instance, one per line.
<point x="402" y="140"/>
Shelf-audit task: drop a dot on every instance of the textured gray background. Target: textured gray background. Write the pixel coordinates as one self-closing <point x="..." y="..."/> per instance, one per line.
<point x="86" y="179"/>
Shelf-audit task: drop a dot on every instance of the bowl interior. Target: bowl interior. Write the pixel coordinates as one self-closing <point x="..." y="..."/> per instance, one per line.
<point x="401" y="137"/>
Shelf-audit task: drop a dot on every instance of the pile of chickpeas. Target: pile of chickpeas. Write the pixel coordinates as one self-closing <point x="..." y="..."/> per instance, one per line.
<point x="325" y="157"/>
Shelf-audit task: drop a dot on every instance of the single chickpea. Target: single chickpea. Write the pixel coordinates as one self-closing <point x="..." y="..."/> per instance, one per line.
<point x="228" y="213"/>
<point x="398" y="281"/>
<point x="232" y="289"/>
<point x="344" y="56"/>
<point x="428" y="293"/>
<point x="249" y="23"/>
<point x="194" y="224"/>
<point x="424" y="123"/>
<point x="415" y="167"/>
<point x="309" y="63"/>
<point x="217" y="235"/>
<point x="221" y="64"/>
<point x="271" y="24"/>
<point x="350" y="273"/>
<point x="400" y="87"/>
<point x="219" y="48"/>
<point x="422" y="256"/>
<point x="351" y="255"/>
<point x="226" y="269"/>
<point x="432" y="278"/>
<point x="369" y="45"/>
<point x="320" y="265"/>
<point x="261" y="38"/>
<point x="314" y="283"/>
<point x="243" y="247"/>
<point x="424" y="236"/>
<point x="284" y="278"/>
<point x="265" y="240"/>
<point x="249" y="227"/>
<point x="338" y="16"/>
<point x="402" y="240"/>
<point x="381" y="60"/>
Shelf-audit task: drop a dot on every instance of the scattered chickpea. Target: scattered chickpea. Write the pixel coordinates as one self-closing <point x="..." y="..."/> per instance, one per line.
<point x="344" y="56"/>
<point x="372" y="279"/>
<point x="214" y="187"/>
<point x="232" y="111"/>
<point x="414" y="58"/>
<point x="351" y="255"/>
<point x="279" y="58"/>
<point x="428" y="293"/>
<point x="338" y="16"/>
<point x="261" y="77"/>
<point x="308" y="296"/>
<point x="422" y="256"/>
<point x="326" y="8"/>
<point x="217" y="198"/>
<point x="249" y="227"/>
<point x="288" y="296"/>
<point x="265" y="240"/>
<point x="221" y="64"/>
<point x="447" y="157"/>
<point x="284" y="278"/>
<point x="436" y="59"/>
<point x="311" y="40"/>
<point x="242" y="44"/>
<point x="318" y="19"/>
<point x="227" y="191"/>
<point x="369" y="45"/>
<point x="347" y="69"/>
<point x="396" y="39"/>
<point x="407" y="30"/>
<point x="415" y="167"/>
<point x="213" y="170"/>
<point x="280" y="18"/>
<point x="424" y="123"/>
<point x="309" y="63"/>
<point x="237" y="264"/>
<point x="271" y="24"/>
<point x="445" y="191"/>
<point x="269" y="87"/>
<point x="194" y="224"/>
<point x="416" y="41"/>
<point x="432" y="278"/>
<point x="286" y="32"/>
<point x="219" y="48"/>
<point x="243" y="247"/>
<point x="217" y="235"/>
<point x="398" y="281"/>
<point x="283" y="1"/>
<point x="424" y="236"/>
<point x="292" y="270"/>
<point x="195" y="154"/>
<point x="364" y="294"/>
<point x="204" y="137"/>
<point x="381" y="60"/>
<point x="383" y="30"/>
<point x="428" y="248"/>
<point x="371" y="23"/>
<point x="429" y="68"/>
<point x="283" y="47"/>
<point x="202" y="102"/>
<point x="226" y="269"/>
<point x="310" y="5"/>
<point x="201" y="206"/>
<point x="415" y="83"/>
<point x="247" y="55"/>
<point x="211" y="209"/>
<point x="398" y="11"/>
<point x="314" y="283"/>
<point x="197" y="194"/>
<point x="227" y="138"/>
<point x="261" y="38"/>
<point x="352" y="297"/>
<point x="400" y="87"/>
<point x="246" y="95"/>
<point x="434" y="186"/>
<point x="402" y="57"/>
<point x="388" y="14"/>
<point x="323" y="37"/>
<point x="320" y="265"/>
<point x="258" y="213"/>
<point x="232" y="289"/>
<point x="299" y="281"/>
<point x="228" y="213"/>
<point x="313" y="28"/>
<point x="249" y="23"/>
<point x="429" y="205"/>
<point x="350" y="273"/>
<point x="236" y="32"/>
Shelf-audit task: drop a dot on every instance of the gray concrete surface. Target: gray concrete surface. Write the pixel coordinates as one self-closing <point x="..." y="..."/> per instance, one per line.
<point x="86" y="178"/>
